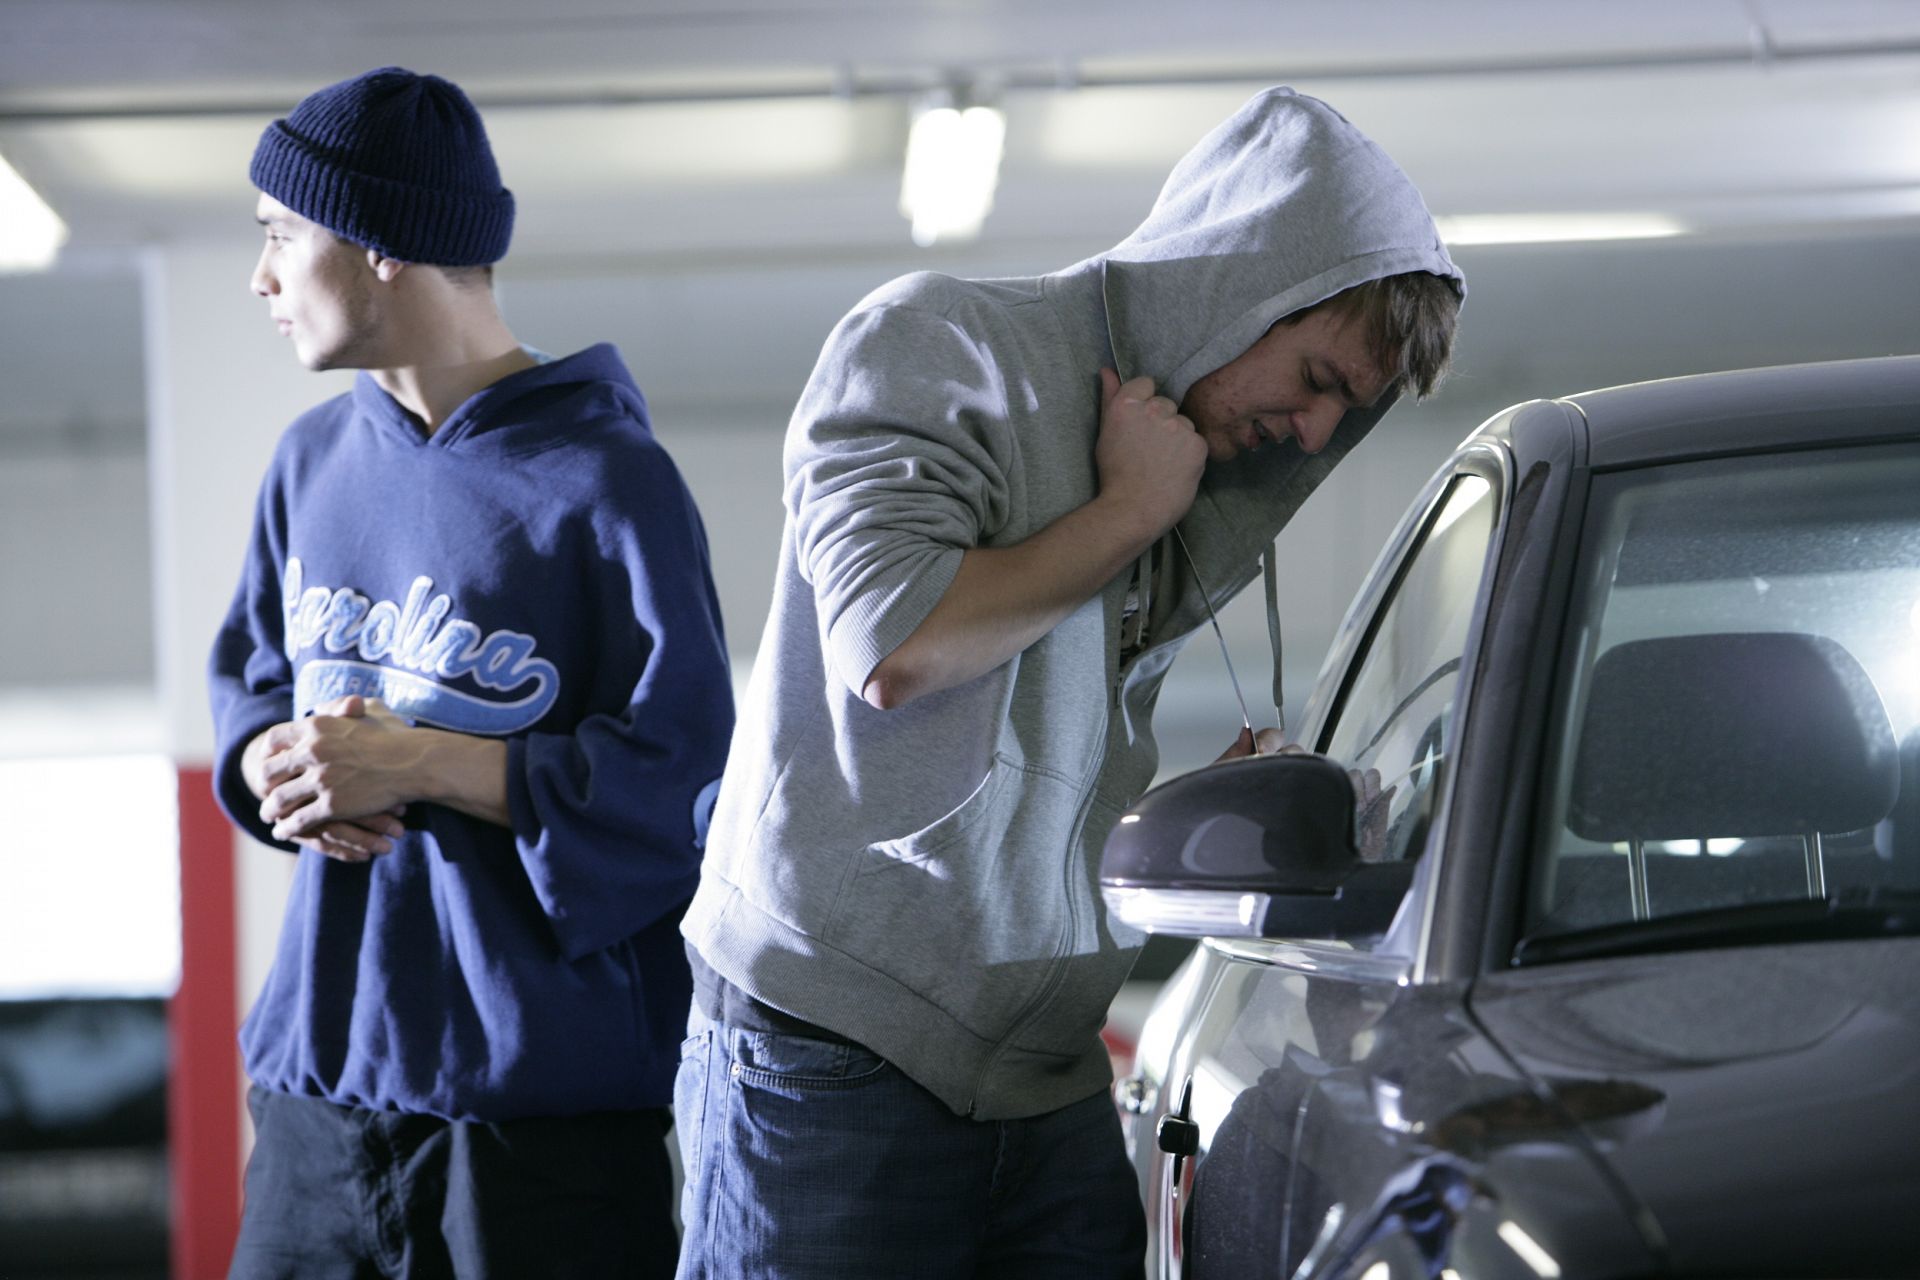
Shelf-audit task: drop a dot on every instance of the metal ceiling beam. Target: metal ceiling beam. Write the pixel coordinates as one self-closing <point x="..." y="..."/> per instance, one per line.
<point x="1760" y="52"/>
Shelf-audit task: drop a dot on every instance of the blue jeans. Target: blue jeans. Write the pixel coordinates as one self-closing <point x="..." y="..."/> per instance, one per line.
<point x="809" y="1159"/>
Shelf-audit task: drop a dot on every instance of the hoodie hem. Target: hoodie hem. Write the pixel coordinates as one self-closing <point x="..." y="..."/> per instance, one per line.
<point x="770" y="960"/>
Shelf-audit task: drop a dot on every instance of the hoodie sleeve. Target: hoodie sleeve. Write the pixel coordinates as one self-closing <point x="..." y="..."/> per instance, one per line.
<point x="609" y="819"/>
<point x="897" y="461"/>
<point x="249" y="680"/>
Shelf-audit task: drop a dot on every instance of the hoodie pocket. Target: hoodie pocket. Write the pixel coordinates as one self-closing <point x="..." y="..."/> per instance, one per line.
<point x="971" y="911"/>
<point x="951" y="827"/>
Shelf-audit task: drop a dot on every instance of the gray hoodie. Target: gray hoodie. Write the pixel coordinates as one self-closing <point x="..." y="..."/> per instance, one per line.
<point x="925" y="880"/>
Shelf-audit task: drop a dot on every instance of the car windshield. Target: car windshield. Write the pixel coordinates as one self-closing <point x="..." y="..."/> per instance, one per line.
<point x="1739" y="722"/>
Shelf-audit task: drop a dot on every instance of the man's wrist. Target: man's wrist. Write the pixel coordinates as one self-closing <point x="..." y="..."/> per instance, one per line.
<point x="1132" y="527"/>
<point x="434" y="775"/>
<point x="461" y="771"/>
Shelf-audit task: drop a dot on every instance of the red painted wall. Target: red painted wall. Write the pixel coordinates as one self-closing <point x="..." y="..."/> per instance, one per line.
<point x="203" y="1092"/>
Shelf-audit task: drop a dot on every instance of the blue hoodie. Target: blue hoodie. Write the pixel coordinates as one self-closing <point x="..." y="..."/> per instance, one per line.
<point x="534" y="570"/>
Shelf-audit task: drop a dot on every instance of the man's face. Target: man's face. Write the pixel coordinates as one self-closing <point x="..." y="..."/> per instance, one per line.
<point x="319" y="290"/>
<point x="1297" y="380"/>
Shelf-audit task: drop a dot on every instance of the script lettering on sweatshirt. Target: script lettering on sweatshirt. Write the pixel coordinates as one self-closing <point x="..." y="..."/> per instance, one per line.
<point x="401" y="653"/>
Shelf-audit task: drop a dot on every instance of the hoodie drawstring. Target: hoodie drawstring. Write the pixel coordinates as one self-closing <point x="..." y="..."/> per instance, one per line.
<point x="1272" y="583"/>
<point x="1149" y="561"/>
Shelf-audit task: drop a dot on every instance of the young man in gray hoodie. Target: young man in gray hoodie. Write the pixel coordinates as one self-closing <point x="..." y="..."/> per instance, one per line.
<point x="901" y="958"/>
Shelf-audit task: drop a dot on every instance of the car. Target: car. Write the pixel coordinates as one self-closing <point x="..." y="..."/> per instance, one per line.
<point x="1578" y="938"/>
<point x="83" y="1137"/>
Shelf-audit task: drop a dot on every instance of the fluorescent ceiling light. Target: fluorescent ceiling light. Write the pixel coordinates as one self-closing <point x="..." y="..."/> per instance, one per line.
<point x="1529" y="1249"/>
<point x="1549" y="228"/>
<point x="31" y="233"/>
<point x="953" y="166"/>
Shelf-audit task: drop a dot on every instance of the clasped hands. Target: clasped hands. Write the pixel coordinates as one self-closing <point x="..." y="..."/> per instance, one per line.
<point x="335" y="782"/>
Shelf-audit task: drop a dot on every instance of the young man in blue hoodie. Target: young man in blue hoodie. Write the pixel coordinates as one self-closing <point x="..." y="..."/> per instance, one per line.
<point x="474" y="677"/>
<point x="902" y="959"/>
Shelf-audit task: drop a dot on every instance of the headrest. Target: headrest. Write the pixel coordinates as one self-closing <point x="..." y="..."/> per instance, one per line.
<point x="1755" y="734"/>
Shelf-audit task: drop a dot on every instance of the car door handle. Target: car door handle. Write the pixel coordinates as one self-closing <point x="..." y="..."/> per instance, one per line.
<point x="1177" y="1134"/>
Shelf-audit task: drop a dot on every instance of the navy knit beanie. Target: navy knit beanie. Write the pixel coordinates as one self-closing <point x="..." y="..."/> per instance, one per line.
<point x="393" y="161"/>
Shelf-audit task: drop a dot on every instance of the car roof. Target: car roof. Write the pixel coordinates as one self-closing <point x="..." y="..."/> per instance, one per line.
<point x="1748" y="410"/>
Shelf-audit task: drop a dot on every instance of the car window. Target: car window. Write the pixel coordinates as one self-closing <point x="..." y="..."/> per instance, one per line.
<point x="1391" y="726"/>
<point x="1738" y="720"/>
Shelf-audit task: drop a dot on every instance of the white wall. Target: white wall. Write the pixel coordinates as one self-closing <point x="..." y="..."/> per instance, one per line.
<point x="74" y="573"/>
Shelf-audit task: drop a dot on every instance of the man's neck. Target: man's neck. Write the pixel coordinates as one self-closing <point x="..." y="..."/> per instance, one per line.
<point x="441" y="381"/>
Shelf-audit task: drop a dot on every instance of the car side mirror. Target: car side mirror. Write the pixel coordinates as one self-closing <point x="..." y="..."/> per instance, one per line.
<point x="1261" y="847"/>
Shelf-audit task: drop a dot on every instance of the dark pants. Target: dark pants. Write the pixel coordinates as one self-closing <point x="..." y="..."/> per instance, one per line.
<point x="342" y="1192"/>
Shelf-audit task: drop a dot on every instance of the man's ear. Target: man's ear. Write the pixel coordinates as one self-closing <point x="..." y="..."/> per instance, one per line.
<point x="384" y="267"/>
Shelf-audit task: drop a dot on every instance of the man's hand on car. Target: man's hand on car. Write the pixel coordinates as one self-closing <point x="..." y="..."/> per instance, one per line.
<point x="1372" y="806"/>
<point x="1372" y="813"/>
<point x="1265" y="742"/>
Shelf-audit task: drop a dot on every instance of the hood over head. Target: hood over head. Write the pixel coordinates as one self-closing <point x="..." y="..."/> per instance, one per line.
<point x="1283" y="205"/>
